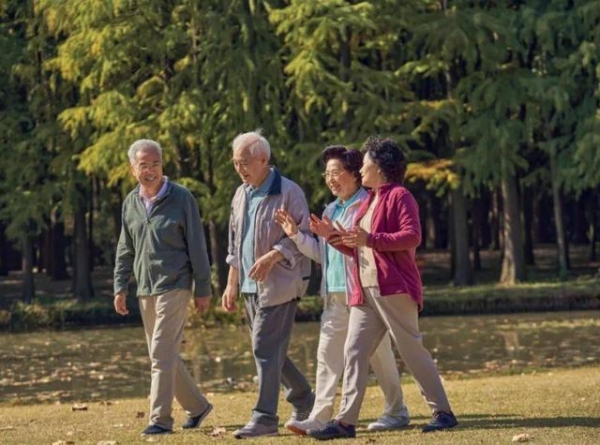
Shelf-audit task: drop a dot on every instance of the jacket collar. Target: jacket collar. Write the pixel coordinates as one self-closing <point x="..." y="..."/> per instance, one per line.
<point x="275" y="187"/>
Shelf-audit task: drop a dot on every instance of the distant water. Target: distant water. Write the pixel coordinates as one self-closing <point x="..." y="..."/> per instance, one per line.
<point x="100" y="364"/>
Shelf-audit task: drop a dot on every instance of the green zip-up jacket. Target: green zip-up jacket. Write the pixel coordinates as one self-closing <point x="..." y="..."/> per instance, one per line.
<point x="166" y="249"/>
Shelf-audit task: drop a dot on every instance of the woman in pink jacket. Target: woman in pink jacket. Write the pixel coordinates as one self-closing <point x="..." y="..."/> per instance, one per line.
<point x="383" y="242"/>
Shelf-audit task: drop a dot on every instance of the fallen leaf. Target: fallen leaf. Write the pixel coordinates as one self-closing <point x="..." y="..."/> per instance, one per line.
<point x="107" y="442"/>
<point x="7" y="428"/>
<point x="218" y="431"/>
<point x="79" y="407"/>
<point x="522" y="438"/>
<point x="64" y="442"/>
<point x="118" y="425"/>
<point x="106" y="402"/>
<point x="140" y="415"/>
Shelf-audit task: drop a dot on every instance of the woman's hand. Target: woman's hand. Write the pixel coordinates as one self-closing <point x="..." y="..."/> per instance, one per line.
<point x="355" y="237"/>
<point x="321" y="227"/>
<point x="287" y="223"/>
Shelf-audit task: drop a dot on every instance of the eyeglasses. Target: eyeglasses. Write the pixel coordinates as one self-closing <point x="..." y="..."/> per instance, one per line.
<point x="145" y="167"/>
<point x="334" y="174"/>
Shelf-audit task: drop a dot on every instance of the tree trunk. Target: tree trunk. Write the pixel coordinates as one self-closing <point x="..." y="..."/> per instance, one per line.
<point x="593" y="221"/>
<point x="58" y="264"/>
<point x="90" y="221"/>
<point x="477" y="222"/>
<point x="82" y="277"/>
<point x="28" y="291"/>
<point x="495" y="222"/>
<point x="513" y="263"/>
<point x="217" y="253"/>
<point x="561" y="239"/>
<point x="579" y="223"/>
<point x="3" y="252"/>
<point x="528" y="203"/>
<point x="463" y="272"/>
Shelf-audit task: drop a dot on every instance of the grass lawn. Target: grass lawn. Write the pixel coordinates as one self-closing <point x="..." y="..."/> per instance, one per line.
<point x="558" y="407"/>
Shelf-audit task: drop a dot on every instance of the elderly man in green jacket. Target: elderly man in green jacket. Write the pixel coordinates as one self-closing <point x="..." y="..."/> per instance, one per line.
<point x="162" y="243"/>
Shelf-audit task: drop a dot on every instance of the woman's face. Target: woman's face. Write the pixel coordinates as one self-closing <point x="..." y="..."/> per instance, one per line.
<point x="340" y="181"/>
<point x="370" y="173"/>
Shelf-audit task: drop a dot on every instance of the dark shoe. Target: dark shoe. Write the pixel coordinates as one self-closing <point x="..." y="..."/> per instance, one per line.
<point x="441" y="421"/>
<point x="194" y="422"/>
<point x="333" y="430"/>
<point x="155" y="429"/>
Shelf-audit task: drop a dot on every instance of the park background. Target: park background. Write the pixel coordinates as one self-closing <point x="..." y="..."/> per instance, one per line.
<point x="495" y="103"/>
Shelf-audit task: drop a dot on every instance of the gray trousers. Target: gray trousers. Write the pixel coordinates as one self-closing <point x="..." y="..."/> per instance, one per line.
<point x="271" y="329"/>
<point x="398" y="315"/>
<point x="164" y="320"/>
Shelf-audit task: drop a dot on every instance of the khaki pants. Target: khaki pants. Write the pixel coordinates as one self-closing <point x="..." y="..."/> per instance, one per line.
<point x="398" y="315"/>
<point x="164" y="320"/>
<point x="330" y="362"/>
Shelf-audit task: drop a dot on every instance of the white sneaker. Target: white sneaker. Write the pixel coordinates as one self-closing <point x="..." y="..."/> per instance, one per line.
<point x="253" y="429"/>
<point x="388" y="423"/>
<point x="300" y="427"/>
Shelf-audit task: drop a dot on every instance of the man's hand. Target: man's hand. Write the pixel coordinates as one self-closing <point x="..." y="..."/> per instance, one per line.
<point x="263" y="265"/>
<point x="201" y="304"/>
<point x="121" y="303"/>
<point x="228" y="298"/>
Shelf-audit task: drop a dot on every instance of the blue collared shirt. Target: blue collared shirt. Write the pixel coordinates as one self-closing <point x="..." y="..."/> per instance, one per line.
<point x="336" y="277"/>
<point x="149" y="203"/>
<point x="254" y="196"/>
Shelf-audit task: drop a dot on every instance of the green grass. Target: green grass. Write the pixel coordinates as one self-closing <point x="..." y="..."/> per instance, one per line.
<point x="558" y="407"/>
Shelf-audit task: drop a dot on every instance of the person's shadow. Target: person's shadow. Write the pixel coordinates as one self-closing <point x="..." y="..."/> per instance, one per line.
<point x="502" y="421"/>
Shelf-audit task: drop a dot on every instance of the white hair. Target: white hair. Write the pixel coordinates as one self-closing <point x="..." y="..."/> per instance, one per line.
<point x="254" y="142"/>
<point x="143" y="144"/>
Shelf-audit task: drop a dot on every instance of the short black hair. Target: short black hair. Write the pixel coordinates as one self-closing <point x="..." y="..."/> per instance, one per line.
<point x="350" y="159"/>
<point x="388" y="156"/>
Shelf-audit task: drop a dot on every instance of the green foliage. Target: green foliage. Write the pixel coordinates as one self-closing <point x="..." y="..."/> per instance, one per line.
<point x="473" y="91"/>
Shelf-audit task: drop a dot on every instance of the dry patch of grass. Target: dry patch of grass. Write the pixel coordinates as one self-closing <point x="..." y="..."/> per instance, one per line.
<point x="559" y="407"/>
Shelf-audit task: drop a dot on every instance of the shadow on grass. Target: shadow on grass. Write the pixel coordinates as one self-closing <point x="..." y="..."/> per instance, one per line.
<point x="494" y="421"/>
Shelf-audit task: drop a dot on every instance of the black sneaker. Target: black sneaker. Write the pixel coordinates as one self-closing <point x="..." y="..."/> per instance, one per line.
<point x="441" y="421"/>
<point x="333" y="430"/>
<point x="194" y="422"/>
<point x="155" y="429"/>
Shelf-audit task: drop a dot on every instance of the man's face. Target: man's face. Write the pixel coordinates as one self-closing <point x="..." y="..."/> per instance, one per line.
<point x="147" y="169"/>
<point x="252" y="169"/>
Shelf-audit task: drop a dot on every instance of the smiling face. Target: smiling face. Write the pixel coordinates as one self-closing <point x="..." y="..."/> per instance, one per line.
<point x="340" y="181"/>
<point x="147" y="169"/>
<point x="252" y="170"/>
<point x="370" y="173"/>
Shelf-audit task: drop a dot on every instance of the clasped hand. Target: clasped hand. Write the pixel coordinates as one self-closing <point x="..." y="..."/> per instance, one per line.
<point x="336" y="235"/>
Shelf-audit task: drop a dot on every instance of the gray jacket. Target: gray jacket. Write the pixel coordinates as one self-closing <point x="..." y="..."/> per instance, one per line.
<point x="289" y="277"/>
<point x="165" y="250"/>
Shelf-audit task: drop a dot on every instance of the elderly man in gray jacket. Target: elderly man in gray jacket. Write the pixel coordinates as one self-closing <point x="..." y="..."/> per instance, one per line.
<point x="271" y="274"/>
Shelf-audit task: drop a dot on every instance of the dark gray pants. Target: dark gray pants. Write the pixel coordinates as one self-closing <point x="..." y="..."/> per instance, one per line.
<point x="271" y="329"/>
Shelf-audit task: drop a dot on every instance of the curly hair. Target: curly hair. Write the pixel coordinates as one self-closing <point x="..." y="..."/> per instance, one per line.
<point x="388" y="156"/>
<point x="351" y="159"/>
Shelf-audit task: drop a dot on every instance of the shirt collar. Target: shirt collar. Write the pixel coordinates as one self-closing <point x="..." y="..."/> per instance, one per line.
<point x="348" y="202"/>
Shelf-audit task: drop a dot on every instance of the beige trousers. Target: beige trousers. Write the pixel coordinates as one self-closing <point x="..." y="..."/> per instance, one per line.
<point x="398" y="315"/>
<point x="330" y="362"/>
<point x="164" y="320"/>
